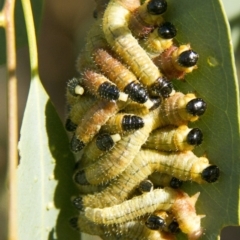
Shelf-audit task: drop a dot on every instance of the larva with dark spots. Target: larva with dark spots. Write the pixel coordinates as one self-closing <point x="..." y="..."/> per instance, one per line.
<point x="183" y="166"/>
<point x="174" y="139"/>
<point x="91" y="123"/>
<point x="132" y="230"/>
<point x="164" y="180"/>
<point x="143" y="20"/>
<point x="159" y="40"/>
<point x="100" y="144"/>
<point x="123" y="122"/>
<point x="182" y="206"/>
<point x="175" y="62"/>
<point x="158" y="199"/>
<point x="100" y="86"/>
<point x="123" y="43"/>
<point x="177" y="109"/>
<point x="122" y="77"/>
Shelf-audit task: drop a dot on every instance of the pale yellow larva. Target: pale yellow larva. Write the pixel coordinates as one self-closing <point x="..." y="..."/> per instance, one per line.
<point x="174" y="139"/>
<point x="123" y="43"/>
<point x="158" y="199"/>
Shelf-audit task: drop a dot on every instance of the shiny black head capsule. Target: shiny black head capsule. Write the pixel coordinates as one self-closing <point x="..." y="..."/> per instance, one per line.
<point x="136" y="92"/>
<point x="155" y="223"/>
<point x="211" y="174"/>
<point x="104" y="142"/>
<point x="72" y="84"/>
<point x="173" y="227"/>
<point x="76" y="145"/>
<point x="156" y="103"/>
<point x="80" y="178"/>
<point x="161" y="87"/>
<point x="70" y="126"/>
<point x="196" y="107"/>
<point x="167" y="30"/>
<point x="175" y="183"/>
<point x="156" y="7"/>
<point x="195" y="137"/>
<point x="108" y="91"/>
<point x="188" y="58"/>
<point x="146" y="186"/>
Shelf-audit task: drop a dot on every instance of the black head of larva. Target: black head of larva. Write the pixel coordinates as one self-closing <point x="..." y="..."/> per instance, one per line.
<point x="155" y="223"/>
<point x="156" y="7"/>
<point x="76" y="145"/>
<point x="80" y="178"/>
<point x="167" y="30"/>
<point x="188" y="58"/>
<point x="74" y="223"/>
<point x="173" y="227"/>
<point x="175" y="183"/>
<point x="70" y="126"/>
<point x="161" y="87"/>
<point x="145" y="186"/>
<point x="136" y="92"/>
<point x="196" y="107"/>
<point x="77" y="203"/>
<point x="72" y="84"/>
<point x="104" y="142"/>
<point x="195" y="137"/>
<point x="211" y="174"/>
<point x="108" y="91"/>
<point x="132" y="122"/>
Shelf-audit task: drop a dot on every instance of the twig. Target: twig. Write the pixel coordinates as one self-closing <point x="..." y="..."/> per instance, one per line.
<point x="7" y="21"/>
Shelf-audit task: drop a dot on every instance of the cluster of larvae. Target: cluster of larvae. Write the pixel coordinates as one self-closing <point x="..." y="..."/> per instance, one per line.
<point x="130" y="127"/>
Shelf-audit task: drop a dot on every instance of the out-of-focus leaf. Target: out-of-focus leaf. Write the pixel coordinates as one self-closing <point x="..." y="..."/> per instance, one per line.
<point x="204" y="25"/>
<point x="44" y="173"/>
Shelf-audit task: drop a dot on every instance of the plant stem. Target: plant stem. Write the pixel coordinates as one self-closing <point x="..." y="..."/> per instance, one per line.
<point x="7" y="20"/>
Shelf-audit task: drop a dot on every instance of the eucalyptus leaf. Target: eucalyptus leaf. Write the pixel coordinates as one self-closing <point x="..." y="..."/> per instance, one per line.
<point x="204" y="25"/>
<point x="44" y="173"/>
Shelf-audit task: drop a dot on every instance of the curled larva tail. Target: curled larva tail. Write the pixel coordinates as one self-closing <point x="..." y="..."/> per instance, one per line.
<point x="133" y="208"/>
<point x="185" y="213"/>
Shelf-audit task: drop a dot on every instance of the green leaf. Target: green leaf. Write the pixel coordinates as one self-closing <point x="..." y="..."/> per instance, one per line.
<point x="45" y="183"/>
<point x="203" y="24"/>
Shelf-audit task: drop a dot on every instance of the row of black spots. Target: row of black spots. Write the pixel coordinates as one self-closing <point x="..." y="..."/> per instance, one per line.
<point x="131" y="230"/>
<point x="179" y="203"/>
<point x="181" y="166"/>
<point x="171" y="138"/>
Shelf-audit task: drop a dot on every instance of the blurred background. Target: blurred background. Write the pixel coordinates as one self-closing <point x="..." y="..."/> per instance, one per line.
<point x="60" y="37"/>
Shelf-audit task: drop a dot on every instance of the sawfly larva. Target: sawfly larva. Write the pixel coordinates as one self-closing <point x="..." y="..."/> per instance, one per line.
<point x="159" y="40"/>
<point x="100" y="86"/>
<point x="158" y="199"/>
<point x="91" y="123"/>
<point x="174" y="139"/>
<point x="175" y="62"/>
<point x="132" y="230"/>
<point x="122" y="77"/>
<point x="125" y="45"/>
<point x="143" y="20"/>
<point x="123" y="122"/>
<point x="97" y="147"/>
<point x="164" y="180"/>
